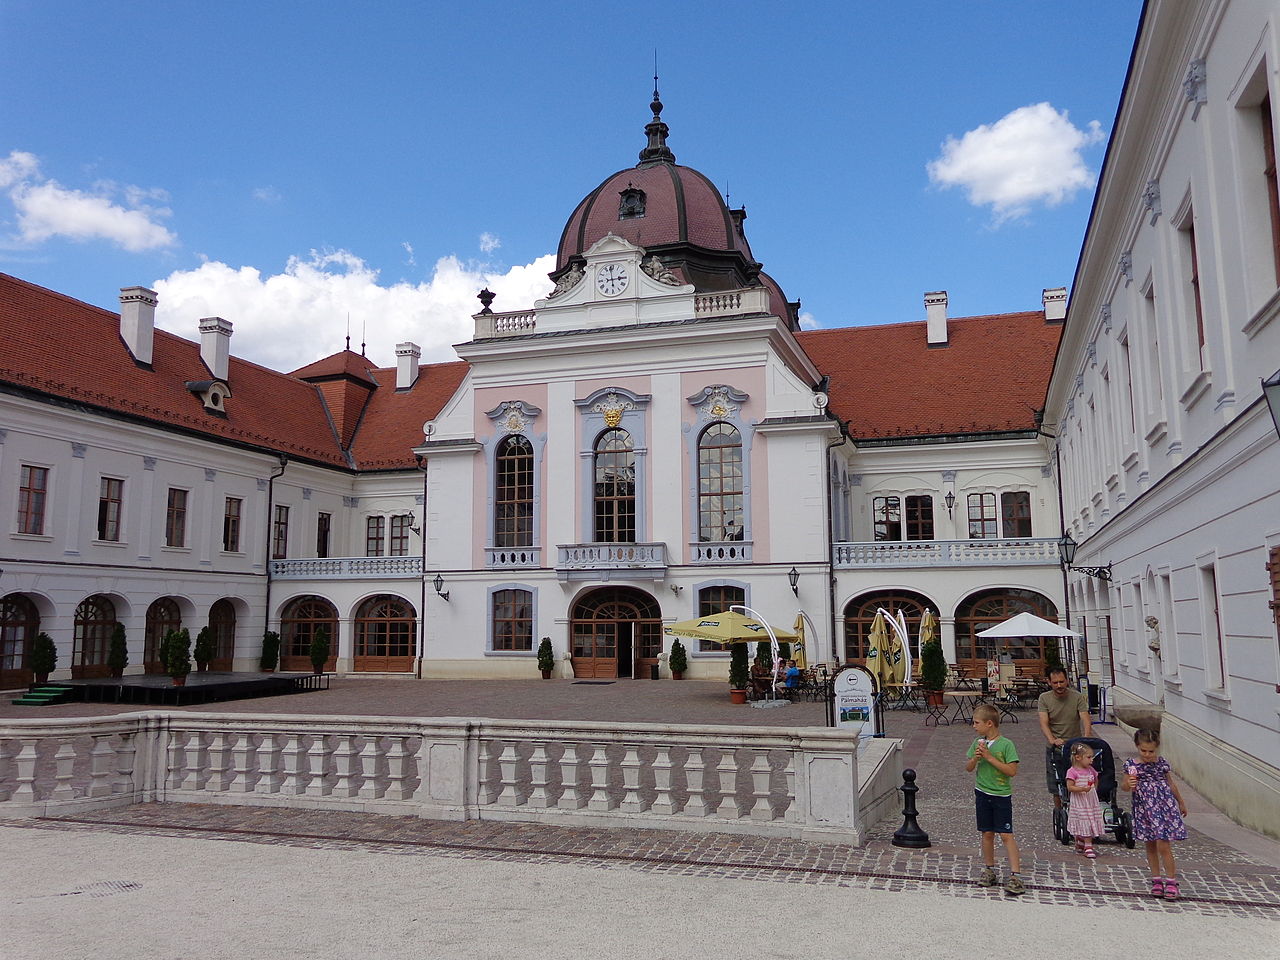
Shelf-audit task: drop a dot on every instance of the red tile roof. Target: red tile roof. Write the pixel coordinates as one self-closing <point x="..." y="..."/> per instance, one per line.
<point x="888" y="382"/>
<point x="392" y="424"/>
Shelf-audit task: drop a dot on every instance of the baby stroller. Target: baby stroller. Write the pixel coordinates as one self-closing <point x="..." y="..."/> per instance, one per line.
<point x="1116" y="820"/>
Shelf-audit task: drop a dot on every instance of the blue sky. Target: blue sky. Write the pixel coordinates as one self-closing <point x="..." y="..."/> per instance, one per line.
<point x="284" y="165"/>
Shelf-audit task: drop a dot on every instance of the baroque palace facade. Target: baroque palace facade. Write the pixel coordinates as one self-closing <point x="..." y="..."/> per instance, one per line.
<point x="658" y="439"/>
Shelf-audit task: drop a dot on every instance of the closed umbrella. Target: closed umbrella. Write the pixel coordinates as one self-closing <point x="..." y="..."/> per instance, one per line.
<point x="928" y="630"/>
<point x="797" y="647"/>
<point x="878" y="649"/>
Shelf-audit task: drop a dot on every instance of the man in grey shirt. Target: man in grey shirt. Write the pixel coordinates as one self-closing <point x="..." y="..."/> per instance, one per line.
<point x="1064" y="714"/>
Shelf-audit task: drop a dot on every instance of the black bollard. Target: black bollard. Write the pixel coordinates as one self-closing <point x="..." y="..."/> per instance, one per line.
<point x="909" y="834"/>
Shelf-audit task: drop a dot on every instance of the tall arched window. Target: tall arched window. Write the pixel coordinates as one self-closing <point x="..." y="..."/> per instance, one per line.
<point x="298" y="624"/>
<point x="162" y="616"/>
<point x="513" y="493"/>
<point x="720" y="483"/>
<point x="615" y="488"/>
<point x="512" y="624"/>
<point x="990" y="607"/>
<point x="860" y="613"/>
<point x="386" y="628"/>
<point x="222" y="621"/>
<point x="95" y="619"/>
<point x="19" y="624"/>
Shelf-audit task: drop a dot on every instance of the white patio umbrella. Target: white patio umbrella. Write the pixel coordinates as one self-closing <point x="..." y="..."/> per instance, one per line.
<point x="1027" y="625"/>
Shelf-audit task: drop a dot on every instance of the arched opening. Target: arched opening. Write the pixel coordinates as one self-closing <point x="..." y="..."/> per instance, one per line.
<point x="19" y="624"/>
<point x="615" y="488"/>
<point x="720" y="484"/>
<point x="986" y="609"/>
<point x="95" y="619"/>
<point x="385" y="630"/>
<point x="860" y="613"/>
<point x="162" y="616"/>
<point x="616" y="632"/>
<point x="301" y="618"/>
<point x="222" y="622"/>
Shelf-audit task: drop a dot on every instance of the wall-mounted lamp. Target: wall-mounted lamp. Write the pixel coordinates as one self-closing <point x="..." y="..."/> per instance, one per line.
<point x="413" y="523"/>
<point x="676" y="589"/>
<point x="1067" y="552"/>
<point x="950" y="501"/>
<point x="1271" y="390"/>
<point x="438" y="583"/>
<point x="793" y="577"/>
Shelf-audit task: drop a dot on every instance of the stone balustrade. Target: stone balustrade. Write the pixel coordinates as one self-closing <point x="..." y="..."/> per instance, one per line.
<point x="589" y="560"/>
<point x="721" y="551"/>
<point x="489" y="325"/>
<point x="347" y="568"/>
<point x="947" y="553"/>
<point x="742" y="779"/>
<point x="730" y="303"/>
<point x="512" y="557"/>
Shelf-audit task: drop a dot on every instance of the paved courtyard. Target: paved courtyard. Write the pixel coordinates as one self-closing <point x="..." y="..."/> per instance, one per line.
<point x="1227" y="872"/>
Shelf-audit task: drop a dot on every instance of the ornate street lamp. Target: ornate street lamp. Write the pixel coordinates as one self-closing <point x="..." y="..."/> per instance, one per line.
<point x="1067" y="552"/>
<point x="438" y="583"/>
<point x="793" y="576"/>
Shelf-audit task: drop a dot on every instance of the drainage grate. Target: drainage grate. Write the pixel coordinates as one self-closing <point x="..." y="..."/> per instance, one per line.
<point x="595" y="683"/>
<point x="103" y="888"/>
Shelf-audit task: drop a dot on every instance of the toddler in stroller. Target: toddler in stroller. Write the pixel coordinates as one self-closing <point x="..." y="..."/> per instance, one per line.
<point x="1114" y="819"/>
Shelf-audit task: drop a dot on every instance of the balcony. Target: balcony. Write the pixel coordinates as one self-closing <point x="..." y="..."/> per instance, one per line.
<point x="348" y="568"/>
<point x="515" y="323"/>
<point x="720" y="551"/>
<point x="597" y="561"/>
<point x="947" y="553"/>
<point x="512" y="558"/>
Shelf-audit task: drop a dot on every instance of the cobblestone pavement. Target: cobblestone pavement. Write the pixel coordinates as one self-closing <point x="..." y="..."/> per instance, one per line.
<point x="1236" y="877"/>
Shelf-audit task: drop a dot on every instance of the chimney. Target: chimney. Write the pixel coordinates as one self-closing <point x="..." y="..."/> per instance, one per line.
<point x="407" y="355"/>
<point x="215" y="345"/>
<point x="138" y="321"/>
<point x="1055" y="304"/>
<point x="935" y="315"/>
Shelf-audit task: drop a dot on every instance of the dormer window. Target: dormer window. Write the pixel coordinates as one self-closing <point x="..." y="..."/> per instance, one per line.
<point x="631" y="204"/>
<point x="212" y="393"/>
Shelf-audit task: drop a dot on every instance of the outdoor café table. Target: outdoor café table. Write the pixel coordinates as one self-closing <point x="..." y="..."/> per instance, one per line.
<point x="936" y="713"/>
<point x="965" y="680"/>
<point x="900" y="696"/>
<point x="965" y="701"/>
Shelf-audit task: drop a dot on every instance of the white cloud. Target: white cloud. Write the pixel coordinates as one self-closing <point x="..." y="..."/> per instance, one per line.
<point x="46" y="209"/>
<point x="267" y="194"/>
<point x="1028" y="157"/>
<point x="489" y="243"/>
<point x="408" y="248"/>
<point x="808" y="321"/>
<point x="288" y="319"/>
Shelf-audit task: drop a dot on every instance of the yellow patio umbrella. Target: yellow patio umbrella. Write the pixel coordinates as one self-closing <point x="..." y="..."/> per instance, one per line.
<point x="928" y="630"/>
<point x="797" y="647"/>
<point x="727" y="627"/>
<point x="895" y="662"/>
<point x="877" y="649"/>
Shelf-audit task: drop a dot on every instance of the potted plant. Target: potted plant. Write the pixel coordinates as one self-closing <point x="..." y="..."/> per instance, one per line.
<point x="118" y="653"/>
<point x="933" y="671"/>
<point x="319" y="649"/>
<point x="546" y="658"/>
<point x="176" y="653"/>
<point x="270" y="652"/>
<point x="204" y="649"/>
<point x="678" y="661"/>
<point x="44" y="657"/>
<point x="739" y="673"/>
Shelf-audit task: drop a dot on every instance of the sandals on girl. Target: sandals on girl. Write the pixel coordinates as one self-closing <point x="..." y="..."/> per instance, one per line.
<point x="1157" y="887"/>
<point x="1090" y="852"/>
<point x="1171" y="889"/>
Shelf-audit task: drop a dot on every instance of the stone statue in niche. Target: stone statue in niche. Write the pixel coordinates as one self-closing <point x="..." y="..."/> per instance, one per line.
<point x="567" y="282"/>
<point x="659" y="271"/>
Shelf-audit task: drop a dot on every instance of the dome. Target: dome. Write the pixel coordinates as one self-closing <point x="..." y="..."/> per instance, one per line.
<point x="674" y="212"/>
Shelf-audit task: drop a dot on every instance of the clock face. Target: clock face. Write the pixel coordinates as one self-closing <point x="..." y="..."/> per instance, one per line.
<point x="611" y="279"/>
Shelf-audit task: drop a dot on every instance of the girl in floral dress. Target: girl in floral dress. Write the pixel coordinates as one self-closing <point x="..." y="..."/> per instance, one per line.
<point x="1084" y="813"/>
<point x="1157" y="811"/>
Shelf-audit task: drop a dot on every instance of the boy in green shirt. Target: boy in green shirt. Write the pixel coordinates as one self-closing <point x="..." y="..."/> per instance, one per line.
<point x="996" y="760"/>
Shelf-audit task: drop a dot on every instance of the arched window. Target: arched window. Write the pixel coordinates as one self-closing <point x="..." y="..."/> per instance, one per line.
<point x="513" y="493"/>
<point x="616" y="632"/>
<point x="860" y="613"/>
<point x="386" y="629"/>
<point x="720" y="483"/>
<point x="718" y="598"/>
<point x="162" y="616"/>
<point x="990" y="607"/>
<point x="298" y="623"/>
<point x="615" y="488"/>
<point x="512" y="626"/>
<point x="95" y="619"/>
<point x="222" y="621"/>
<point x="19" y="624"/>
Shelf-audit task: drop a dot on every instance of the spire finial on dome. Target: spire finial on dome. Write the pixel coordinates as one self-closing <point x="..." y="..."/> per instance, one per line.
<point x="657" y="150"/>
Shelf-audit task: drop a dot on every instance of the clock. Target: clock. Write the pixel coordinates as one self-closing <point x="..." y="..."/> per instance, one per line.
<point x="612" y="279"/>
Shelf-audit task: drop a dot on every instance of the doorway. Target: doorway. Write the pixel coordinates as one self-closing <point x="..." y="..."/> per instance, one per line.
<point x="616" y="633"/>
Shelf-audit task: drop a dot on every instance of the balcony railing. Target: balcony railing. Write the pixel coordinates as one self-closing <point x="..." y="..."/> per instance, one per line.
<point x="587" y="561"/>
<point x="947" y="553"/>
<point x="489" y="325"/>
<point x="507" y="558"/>
<point x="721" y="551"/>
<point x="347" y="568"/>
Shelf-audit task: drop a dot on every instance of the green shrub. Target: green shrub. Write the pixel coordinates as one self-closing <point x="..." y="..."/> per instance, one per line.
<point x="204" y="645"/>
<point x="44" y="654"/>
<point x="270" y="651"/>
<point x="679" y="660"/>
<point x="175" y="651"/>
<point x="546" y="656"/>
<point x="319" y="648"/>
<point x="118" y="654"/>
<point x="739" y="671"/>
<point x="933" y="666"/>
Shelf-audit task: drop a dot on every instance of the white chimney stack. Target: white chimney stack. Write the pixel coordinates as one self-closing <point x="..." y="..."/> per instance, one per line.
<point x="935" y="315"/>
<point x="1055" y="303"/>
<point x="215" y="345"/>
<point x="407" y="355"/>
<point x="138" y="321"/>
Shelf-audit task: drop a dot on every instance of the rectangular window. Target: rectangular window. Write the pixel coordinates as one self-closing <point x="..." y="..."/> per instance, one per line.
<point x="110" y="507"/>
<point x="1155" y="385"/>
<point x="324" y="521"/>
<point x="1193" y="283"/>
<point x="33" y="490"/>
<point x="400" y="536"/>
<point x="1128" y="384"/>
<point x="1015" y="512"/>
<point x="1273" y="568"/>
<point x="718" y="599"/>
<point x="1269" y="172"/>
<point x="982" y="516"/>
<point x="231" y="525"/>
<point x="512" y="620"/>
<point x="1215" y="655"/>
<point x="375" y="536"/>
<point x="280" y="533"/>
<point x="920" y="517"/>
<point x="175" y="519"/>
<point x="886" y="515"/>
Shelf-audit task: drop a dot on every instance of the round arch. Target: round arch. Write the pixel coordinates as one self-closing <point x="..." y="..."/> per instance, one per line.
<point x="164" y="614"/>
<point x="386" y="629"/>
<point x="986" y="608"/>
<point x="300" y="618"/>
<point x="860" y="612"/>
<point x="96" y="618"/>
<point x="615" y="632"/>
<point x="19" y="624"/>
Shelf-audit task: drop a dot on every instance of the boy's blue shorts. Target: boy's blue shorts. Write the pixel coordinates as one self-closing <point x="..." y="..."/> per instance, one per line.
<point x="995" y="814"/>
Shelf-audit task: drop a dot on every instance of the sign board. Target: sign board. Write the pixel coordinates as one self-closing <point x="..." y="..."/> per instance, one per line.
<point x="853" y="706"/>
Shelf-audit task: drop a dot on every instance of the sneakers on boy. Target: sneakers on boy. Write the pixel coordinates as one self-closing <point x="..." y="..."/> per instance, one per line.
<point x="1014" y="885"/>
<point x="987" y="878"/>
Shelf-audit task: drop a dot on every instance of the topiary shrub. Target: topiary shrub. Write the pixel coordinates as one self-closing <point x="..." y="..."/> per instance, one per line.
<point x="118" y="653"/>
<point x="270" y="651"/>
<point x="175" y="651"/>
<point x="546" y="658"/>
<point x="44" y="656"/>
<point x="678" y="661"/>
<point x="319" y="649"/>
<point x="204" y="648"/>
<point x="933" y="666"/>
<point x="739" y="671"/>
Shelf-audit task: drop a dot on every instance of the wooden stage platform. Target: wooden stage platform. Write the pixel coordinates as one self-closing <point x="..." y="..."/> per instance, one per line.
<point x="208" y="687"/>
